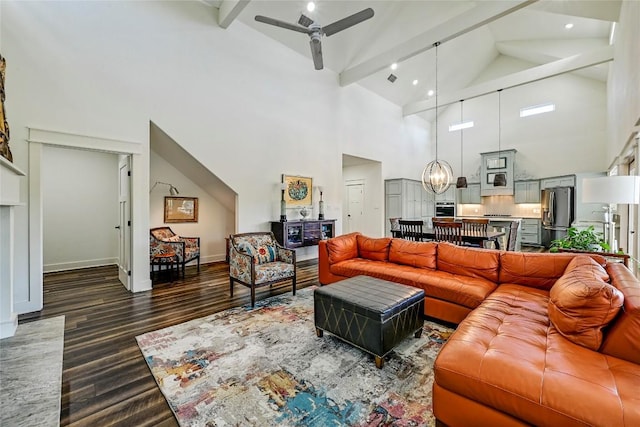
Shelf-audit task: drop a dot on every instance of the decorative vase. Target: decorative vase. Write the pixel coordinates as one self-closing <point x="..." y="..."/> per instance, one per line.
<point x="304" y="213"/>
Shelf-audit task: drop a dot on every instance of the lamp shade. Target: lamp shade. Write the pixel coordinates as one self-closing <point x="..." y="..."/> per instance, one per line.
<point x="461" y="182"/>
<point x="611" y="189"/>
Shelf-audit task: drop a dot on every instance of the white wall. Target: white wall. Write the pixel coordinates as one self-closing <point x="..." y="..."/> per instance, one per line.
<point x="246" y="107"/>
<point x="214" y="221"/>
<point x="566" y="141"/>
<point x="624" y="81"/>
<point x="80" y="204"/>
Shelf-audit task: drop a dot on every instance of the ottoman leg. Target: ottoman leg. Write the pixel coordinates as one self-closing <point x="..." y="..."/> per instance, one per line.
<point x="379" y="362"/>
<point x="418" y="333"/>
<point x="319" y="332"/>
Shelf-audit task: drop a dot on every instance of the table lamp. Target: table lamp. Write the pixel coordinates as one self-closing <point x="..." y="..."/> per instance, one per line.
<point x="616" y="190"/>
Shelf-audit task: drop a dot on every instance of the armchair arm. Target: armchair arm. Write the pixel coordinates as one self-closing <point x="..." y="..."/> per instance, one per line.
<point x="241" y="265"/>
<point x="285" y="255"/>
<point x="191" y="242"/>
<point x="177" y="247"/>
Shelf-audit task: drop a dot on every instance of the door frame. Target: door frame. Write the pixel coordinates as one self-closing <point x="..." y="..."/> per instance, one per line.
<point x="124" y="222"/>
<point x="37" y="138"/>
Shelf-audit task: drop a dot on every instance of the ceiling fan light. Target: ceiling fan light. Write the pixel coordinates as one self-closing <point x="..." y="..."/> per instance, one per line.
<point x="461" y="182"/>
<point x="500" y="180"/>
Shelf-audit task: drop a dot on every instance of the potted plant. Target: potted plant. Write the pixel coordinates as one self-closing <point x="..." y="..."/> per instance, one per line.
<point x="584" y="240"/>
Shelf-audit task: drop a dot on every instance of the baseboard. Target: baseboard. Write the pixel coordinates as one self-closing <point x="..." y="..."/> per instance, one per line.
<point x="50" y="268"/>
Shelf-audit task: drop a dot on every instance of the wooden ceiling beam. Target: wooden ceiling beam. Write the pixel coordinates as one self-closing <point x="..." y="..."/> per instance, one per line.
<point x="541" y="72"/>
<point x="479" y="16"/>
<point x="229" y="11"/>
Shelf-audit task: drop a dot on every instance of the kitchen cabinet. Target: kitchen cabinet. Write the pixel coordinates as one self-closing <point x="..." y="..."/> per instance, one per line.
<point x="407" y="199"/>
<point x="558" y="181"/>
<point x="527" y="191"/>
<point x="530" y="231"/>
<point x="470" y="195"/>
<point x="447" y="196"/>
<point x="493" y="163"/>
<point x="296" y="234"/>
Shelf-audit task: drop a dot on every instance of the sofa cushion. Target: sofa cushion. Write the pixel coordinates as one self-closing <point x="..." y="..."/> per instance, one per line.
<point x="507" y="356"/>
<point x="537" y="270"/>
<point x="622" y="337"/>
<point x="581" y="303"/>
<point x="461" y="290"/>
<point x="373" y="249"/>
<point x="470" y="262"/>
<point x="415" y="254"/>
<point x="342" y="247"/>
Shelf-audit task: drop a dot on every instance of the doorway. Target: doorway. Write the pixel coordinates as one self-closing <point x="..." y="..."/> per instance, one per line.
<point x="363" y="196"/>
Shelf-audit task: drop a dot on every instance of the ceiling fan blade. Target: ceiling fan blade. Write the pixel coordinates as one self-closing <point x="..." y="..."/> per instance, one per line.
<point x="347" y="22"/>
<point x="281" y="24"/>
<point x="316" y="52"/>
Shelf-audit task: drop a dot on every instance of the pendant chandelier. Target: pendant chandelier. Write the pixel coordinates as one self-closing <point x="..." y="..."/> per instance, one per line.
<point x="462" y="180"/>
<point x="437" y="175"/>
<point x="500" y="180"/>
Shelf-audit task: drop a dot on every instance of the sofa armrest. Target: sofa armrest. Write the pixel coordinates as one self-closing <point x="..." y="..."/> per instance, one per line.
<point x="325" y="276"/>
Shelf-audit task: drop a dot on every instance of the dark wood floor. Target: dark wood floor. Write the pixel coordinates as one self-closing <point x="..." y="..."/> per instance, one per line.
<point x="105" y="380"/>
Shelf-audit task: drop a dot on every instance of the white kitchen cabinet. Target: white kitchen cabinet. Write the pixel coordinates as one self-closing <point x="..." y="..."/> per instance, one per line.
<point x="494" y="163"/>
<point x="447" y="196"/>
<point x="530" y="231"/>
<point x="470" y="195"/>
<point x="407" y="199"/>
<point x="558" y="181"/>
<point x="527" y="191"/>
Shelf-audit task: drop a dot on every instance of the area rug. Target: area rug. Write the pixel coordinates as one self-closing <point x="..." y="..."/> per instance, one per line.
<point x="266" y="367"/>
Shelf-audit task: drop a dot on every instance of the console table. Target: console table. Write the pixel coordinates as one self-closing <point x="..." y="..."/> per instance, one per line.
<point x="308" y="232"/>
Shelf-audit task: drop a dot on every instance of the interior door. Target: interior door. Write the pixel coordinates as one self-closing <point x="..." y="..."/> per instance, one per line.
<point x="355" y="207"/>
<point x="124" y="223"/>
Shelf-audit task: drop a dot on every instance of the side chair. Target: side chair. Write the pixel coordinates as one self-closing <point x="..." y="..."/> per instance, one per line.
<point x="186" y="249"/>
<point x="411" y="229"/>
<point x="447" y="231"/>
<point x="475" y="227"/>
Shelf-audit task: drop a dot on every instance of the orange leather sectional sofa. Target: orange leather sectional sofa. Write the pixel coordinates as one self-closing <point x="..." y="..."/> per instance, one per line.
<point x="542" y="339"/>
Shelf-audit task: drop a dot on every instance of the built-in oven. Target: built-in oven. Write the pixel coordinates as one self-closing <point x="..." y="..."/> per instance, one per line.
<point x="445" y="209"/>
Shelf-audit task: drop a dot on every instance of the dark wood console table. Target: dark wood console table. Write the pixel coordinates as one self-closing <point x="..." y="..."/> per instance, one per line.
<point x="308" y="232"/>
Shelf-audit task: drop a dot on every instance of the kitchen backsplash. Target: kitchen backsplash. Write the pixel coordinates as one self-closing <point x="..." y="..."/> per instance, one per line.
<point x="500" y="205"/>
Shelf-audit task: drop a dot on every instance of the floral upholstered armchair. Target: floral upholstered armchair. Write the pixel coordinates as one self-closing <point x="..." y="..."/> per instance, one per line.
<point x="163" y="239"/>
<point x="256" y="259"/>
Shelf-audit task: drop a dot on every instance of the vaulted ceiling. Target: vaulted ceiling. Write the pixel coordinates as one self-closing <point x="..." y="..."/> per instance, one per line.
<point x="473" y="34"/>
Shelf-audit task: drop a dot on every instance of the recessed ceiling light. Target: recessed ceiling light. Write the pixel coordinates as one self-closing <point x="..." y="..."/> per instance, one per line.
<point x="311" y="6"/>
<point x="415" y="82"/>
<point x="430" y="93"/>
<point x="394" y="66"/>
<point x="568" y="26"/>
<point x="537" y="109"/>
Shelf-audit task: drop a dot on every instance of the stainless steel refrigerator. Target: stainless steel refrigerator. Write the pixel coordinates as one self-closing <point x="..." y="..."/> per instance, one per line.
<point x="557" y="208"/>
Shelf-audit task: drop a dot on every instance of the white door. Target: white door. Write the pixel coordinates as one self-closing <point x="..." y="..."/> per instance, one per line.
<point x="124" y="224"/>
<point x="355" y="207"/>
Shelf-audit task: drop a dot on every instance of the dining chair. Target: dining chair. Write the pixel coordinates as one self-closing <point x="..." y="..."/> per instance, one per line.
<point x="475" y="227"/>
<point x="443" y="219"/>
<point x="411" y="229"/>
<point x="513" y="235"/>
<point x="447" y="231"/>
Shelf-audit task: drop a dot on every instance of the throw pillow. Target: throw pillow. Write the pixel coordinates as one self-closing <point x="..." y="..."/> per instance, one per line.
<point x="588" y="265"/>
<point x="265" y="254"/>
<point x="373" y="249"/>
<point x="581" y="304"/>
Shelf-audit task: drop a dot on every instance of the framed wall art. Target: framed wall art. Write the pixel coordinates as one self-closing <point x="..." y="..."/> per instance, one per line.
<point x="298" y="190"/>
<point x="180" y="209"/>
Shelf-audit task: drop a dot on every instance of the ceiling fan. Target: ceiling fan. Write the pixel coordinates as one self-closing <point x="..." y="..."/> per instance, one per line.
<point x="316" y="31"/>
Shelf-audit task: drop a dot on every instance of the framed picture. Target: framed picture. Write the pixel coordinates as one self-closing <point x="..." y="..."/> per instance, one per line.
<point x="298" y="190"/>
<point x="492" y="175"/>
<point x="180" y="209"/>
<point x="497" y="163"/>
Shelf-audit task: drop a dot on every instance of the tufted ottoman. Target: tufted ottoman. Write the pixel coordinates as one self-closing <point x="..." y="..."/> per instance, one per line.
<point x="372" y="314"/>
